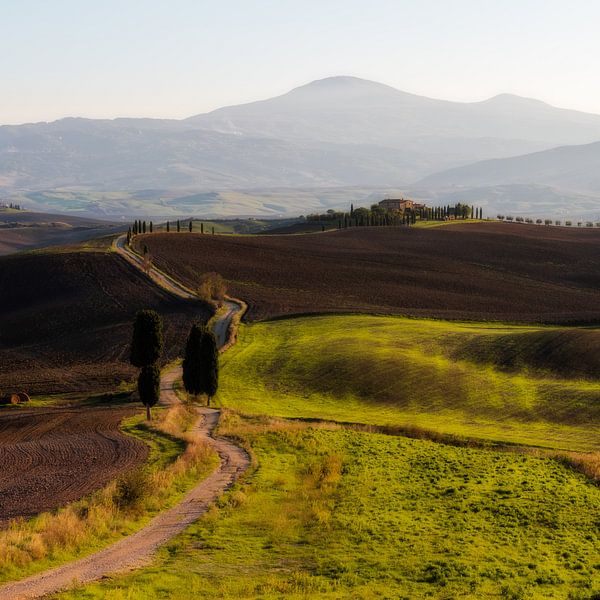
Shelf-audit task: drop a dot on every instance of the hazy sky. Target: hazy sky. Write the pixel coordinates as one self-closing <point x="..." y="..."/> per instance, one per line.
<point x="175" y="58"/>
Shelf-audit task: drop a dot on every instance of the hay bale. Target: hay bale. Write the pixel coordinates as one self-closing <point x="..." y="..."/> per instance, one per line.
<point x="14" y="399"/>
<point x="23" y="397"/>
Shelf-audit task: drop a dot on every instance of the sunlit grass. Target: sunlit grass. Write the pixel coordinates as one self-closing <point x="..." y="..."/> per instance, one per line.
<point x="398" y="371"/>
<point x="333" y="513"/>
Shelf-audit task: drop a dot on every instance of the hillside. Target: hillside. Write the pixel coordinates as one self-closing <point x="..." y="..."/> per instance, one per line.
<point x="24" y="230"/>
<point x="568" y="167"/>
<point x="67" y="320"/>
<point x="475" y="271"/>
<point x="412" y="375"/>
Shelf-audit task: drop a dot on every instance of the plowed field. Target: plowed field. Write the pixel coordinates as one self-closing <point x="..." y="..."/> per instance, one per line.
<point x="66" y="320"/>
<point x="473" y="271"/>
<point x="53" y="456"/>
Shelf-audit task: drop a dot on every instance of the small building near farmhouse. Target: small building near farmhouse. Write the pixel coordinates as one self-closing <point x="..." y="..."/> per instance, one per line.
<point x="399" y="204"/>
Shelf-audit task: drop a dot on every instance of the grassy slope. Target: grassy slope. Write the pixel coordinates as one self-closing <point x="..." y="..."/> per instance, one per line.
<point x="396" y="371"/>
<point x="340" y="514"/>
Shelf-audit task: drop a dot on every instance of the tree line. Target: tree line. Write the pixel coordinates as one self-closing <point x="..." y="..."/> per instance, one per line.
<point x="140" y="226"/>
<point x="200" y="363"/>
<point x="556" y="222"/>
<point x="378" y="216"/>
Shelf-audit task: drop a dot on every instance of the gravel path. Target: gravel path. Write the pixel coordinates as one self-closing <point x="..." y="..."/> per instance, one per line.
<point x="138" y="549"/>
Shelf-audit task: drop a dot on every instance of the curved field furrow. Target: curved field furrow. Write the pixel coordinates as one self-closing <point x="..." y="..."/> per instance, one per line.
<point x="54" y="456"/>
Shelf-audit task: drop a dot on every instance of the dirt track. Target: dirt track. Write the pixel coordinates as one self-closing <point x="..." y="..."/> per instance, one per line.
<point x="138" y="549"/>
<point x="50" y="457"/>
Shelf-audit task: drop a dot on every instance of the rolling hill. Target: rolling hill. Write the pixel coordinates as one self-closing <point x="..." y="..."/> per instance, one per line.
<point x="23" y="230"/>
<point x="67" y="320"/>
<point x="486" y="271"/>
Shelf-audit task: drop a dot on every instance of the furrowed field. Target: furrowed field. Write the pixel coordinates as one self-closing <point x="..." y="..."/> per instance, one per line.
<point x="479" y="271"/>
<point x="332" y="513"/>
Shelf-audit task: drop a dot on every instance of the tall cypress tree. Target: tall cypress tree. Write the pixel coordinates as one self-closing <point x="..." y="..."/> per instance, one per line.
<point x="210" y="360"/>
<point x="192" y="362"/>
<point x="147" y="341"/>
<point x="151" y="227"/>
<point x="190" y="226"/>
<point x="178" y="226"/>
<point x="168" y="227"/>
<point x="149" y="387"/>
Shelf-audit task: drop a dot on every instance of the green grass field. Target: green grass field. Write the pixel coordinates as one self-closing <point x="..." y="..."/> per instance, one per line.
<point x="333" y="513"/>
<point x="409" y="372"/>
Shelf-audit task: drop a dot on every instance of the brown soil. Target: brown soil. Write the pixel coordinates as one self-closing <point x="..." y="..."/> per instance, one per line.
<point x="50" y="457"/>
<point x="67" y="319"/>
<point x="473" y="271"/>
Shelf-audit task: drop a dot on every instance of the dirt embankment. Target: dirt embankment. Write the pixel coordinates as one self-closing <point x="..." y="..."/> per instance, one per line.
<point x="476" y="271"/>
<point x="53" y="456"/>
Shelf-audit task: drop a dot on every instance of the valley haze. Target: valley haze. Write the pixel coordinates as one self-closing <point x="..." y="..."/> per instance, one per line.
<point x="322" y="145"/>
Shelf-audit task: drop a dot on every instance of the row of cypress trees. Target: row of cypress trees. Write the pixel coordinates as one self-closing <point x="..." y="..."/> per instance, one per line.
<point x="140" y="227"/>
<point x="200" y="364"/>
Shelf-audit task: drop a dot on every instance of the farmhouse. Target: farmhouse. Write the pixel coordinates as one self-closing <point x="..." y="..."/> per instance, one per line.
<point x="400" y="204"/>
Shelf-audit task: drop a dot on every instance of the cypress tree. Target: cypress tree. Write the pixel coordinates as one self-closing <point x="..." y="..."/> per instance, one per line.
<point x="213" y="230"/>
<point x="190" y="226"/>
<point x="210" y="360"/>
<point x="192" y="362"/>
<point x="178" y="226"/>
<point x="201" y="227"/>
<point x="150" y="226"/>
<point x="144" y="227"/>
<point x="149" y="387"/>
<point x="168" y="227"/>
<point x="147" y="341"/>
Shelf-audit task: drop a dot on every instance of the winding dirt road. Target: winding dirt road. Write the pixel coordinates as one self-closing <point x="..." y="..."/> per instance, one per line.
<point x="138" y="549"/>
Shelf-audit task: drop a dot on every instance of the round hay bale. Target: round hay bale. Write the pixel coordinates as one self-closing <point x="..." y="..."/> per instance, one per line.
<point x="14" y="399"/>
<point x="23" y="397"/>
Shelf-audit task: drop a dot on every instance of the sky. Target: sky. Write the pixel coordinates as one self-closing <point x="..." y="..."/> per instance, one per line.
<point x="177" y="58"/>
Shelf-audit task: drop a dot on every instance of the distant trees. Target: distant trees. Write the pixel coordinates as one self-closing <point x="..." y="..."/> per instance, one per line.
<point x="146" y="349"/>
<point x="201" y="363"/>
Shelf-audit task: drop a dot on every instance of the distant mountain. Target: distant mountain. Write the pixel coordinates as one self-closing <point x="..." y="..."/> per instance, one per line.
<point x="336" y="132"/>
<point x="574" y="168"/>
<point x="351" y="110"/>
